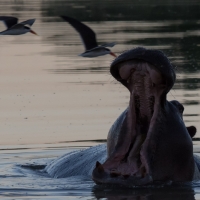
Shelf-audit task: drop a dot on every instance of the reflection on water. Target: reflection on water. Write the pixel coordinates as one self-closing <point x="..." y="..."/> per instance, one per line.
<point x="22" y="175"/>
<point x="50" y="96"/>
<point x="172" y="193"/>
<point x="123" y="10"/>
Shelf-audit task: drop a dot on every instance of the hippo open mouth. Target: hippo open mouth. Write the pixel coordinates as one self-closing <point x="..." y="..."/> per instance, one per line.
<point x="149" y="76"/>
<point x="146" y="86"/>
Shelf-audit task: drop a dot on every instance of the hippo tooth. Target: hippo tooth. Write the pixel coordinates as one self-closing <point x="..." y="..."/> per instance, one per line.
<point x="126" y="176"/>
<point x="99" y="167"/>
<point x="114" y="173"/>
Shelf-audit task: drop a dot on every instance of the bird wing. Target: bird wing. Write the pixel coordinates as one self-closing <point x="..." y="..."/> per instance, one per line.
<point x="112" y="44"/>
<point x="86" y="33"/>
<point x="9" y="21"/>
<point x="29" y="22"/>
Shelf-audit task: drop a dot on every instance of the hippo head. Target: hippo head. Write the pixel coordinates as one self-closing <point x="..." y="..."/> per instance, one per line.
<point x="157" y="64"/>
<point x="147" y="143"/>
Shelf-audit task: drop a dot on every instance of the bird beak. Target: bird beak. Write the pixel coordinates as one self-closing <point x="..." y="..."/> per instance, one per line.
<point x="31" y="31"/>
<point x="112" y="54"/>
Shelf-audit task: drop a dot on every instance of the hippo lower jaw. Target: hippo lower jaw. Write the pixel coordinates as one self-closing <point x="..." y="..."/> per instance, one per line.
<point x="130" y="163"/>
<point x="102" y="176"/>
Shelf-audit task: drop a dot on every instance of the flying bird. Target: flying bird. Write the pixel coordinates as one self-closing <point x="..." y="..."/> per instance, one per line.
<point x="14" y="28"/>
<point x="89" y="39"/>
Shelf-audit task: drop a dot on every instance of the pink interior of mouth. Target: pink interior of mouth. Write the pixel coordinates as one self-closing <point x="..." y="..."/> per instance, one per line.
<point x="146" y="85"/>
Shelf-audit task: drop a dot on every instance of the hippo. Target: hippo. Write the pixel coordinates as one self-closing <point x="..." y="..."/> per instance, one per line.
<point x="149" y="141"/>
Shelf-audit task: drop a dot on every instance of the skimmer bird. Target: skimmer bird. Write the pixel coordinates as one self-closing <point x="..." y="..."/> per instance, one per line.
<point x="89" y="39"/>
<point x="14" y="28"/>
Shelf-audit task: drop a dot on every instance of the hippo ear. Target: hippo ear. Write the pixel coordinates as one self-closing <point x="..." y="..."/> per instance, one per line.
<point x="191" y="130"/>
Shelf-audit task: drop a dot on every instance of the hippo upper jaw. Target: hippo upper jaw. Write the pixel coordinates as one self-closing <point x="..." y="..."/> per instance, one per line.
<point x="146" y="147"/>
<point x="154" y="57"/>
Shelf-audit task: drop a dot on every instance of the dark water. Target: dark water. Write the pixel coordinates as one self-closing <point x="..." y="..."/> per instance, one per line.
<point x="22" y="176"/>
<point x="50" y="96"/>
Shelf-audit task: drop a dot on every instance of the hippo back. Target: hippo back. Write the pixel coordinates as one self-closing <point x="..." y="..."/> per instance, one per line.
<point x="77" y="163"/>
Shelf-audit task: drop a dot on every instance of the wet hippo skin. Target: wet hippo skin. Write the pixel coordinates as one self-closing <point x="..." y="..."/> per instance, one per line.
<point x="149" y="142"/>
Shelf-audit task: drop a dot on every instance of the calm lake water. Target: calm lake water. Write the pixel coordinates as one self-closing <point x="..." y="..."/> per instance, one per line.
<point x="51" y="97"/>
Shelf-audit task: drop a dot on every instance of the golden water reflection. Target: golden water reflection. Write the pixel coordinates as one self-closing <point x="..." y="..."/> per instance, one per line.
<point x="50" y="95"/>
